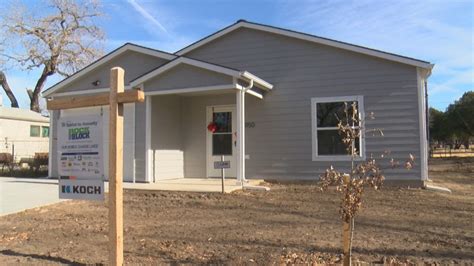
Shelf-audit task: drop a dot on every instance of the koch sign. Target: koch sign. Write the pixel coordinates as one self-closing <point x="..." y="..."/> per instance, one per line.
<point x="80" y="146"/>
<point x="222" y="165"/>
<point x="85" y="189"/>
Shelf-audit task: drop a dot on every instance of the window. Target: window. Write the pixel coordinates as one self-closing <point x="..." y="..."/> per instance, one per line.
<point x="35" y="131"/>
<point x="325" y="115"/>
<point x="222" y="137"/>
<point x="45" y="132"/>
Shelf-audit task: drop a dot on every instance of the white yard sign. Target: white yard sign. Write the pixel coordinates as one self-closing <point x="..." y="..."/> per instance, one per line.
<point x="80" y="147"/>
<point x="81" y="189"/>
<point x="81" y="158"/>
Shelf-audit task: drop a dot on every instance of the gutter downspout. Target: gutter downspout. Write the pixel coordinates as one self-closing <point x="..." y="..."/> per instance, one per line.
<point x="244" y="182"/>
<point x="242" y="130"/>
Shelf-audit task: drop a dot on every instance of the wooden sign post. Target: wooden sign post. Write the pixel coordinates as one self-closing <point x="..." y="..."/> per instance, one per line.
<point x="116" y="98"/>
<point x="116" y="168"/>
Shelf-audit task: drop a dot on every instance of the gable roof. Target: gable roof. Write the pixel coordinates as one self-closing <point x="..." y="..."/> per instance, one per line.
<point x="22" y="115"/>
<point x="307" y="37"/>
<point x="203" y="65"/>
<point x="106" y="58"/>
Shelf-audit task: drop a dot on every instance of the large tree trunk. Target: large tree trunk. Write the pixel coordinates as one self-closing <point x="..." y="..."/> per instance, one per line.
<point x="34" y="104"/>
<point x="8" y="91"/>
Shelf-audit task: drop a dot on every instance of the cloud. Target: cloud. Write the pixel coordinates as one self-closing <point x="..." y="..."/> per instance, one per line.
<point x="152" y="20"/>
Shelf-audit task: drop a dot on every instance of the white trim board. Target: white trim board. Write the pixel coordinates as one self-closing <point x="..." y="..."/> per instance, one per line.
<point x="84" y="92"/>
<point x="222" y="87"/>
<point x="421" y="76"/>
<point x="105" y="59"/>
<point x="50" y="144"/>
<point x="149" y="175"/>
<point x="193" y="89"/>
<point x="81" y="92"/>
<point x="165" y="92"/>
<point x="306" y="37"/>
<point x="133" y="110"/>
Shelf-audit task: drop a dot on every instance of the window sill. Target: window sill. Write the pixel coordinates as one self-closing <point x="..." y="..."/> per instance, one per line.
<point x="339" y="158"/>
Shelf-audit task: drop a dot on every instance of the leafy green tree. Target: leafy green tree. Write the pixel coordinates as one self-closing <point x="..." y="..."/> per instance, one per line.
<point x="438" y="129"/>
<point x="460" y="117"/>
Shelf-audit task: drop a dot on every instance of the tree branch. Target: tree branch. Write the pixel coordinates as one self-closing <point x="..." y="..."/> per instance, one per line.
<point x="60" y="42"/>
<point x="8" y="91"/>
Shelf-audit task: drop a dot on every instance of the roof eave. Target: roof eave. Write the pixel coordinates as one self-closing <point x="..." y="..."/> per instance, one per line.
<point x="103" y="60"/>
<point x="262" y="83"/>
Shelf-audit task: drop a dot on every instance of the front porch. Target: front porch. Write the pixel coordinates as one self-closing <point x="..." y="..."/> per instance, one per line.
<point x="195" y="113"/>
<point x="179" y="144"/>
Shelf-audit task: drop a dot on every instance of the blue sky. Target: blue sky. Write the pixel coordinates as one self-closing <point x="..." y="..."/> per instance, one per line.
<point x="439" y="31"/>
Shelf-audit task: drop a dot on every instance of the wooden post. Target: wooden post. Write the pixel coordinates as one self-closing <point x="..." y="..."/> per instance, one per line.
<point x="115" y="98"/>
<point x="116" y="168"/>
<point x="346" y="234"/>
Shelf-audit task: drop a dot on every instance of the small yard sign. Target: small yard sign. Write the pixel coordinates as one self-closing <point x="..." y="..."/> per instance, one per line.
<point x="222" y="165"/>
<point x="79" y="145"/>
<point x="84" y="189"/>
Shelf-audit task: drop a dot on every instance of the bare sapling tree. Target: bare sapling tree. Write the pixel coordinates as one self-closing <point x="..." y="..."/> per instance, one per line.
<point x="363" y="174"/>
<point x="62" y="41"/>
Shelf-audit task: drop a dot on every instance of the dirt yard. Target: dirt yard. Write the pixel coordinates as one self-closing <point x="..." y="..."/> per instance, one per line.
<point x="289" y="224"/>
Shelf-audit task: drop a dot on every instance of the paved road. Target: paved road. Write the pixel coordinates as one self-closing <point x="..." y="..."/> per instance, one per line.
<point x="18" y="194"/>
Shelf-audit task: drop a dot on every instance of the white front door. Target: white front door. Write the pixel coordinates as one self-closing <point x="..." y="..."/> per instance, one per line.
<point x="223" y="140"/>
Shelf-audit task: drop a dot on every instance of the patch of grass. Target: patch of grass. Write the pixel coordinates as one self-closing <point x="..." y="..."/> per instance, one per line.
<point x="24" y="172"/>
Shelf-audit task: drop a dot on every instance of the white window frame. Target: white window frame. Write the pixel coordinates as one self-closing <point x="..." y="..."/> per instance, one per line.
<point x="314" y="127"/>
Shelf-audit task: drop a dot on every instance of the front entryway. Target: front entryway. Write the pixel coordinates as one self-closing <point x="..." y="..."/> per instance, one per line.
<point x="222" y="140"/>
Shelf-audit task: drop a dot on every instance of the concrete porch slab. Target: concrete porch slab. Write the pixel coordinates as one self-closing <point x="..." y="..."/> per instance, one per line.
<point x="191" y="184"/>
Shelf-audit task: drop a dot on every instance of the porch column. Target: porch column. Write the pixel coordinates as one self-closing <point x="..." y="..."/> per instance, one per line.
<point x="149" y="153"/>
<point x="240" y="99"/>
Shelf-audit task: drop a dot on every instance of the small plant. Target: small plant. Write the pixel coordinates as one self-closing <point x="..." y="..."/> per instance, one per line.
<point x="361" y="175"/>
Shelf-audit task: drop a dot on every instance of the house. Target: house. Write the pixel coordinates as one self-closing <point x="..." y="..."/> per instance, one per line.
<point x="257" y="94"/>
<point x="23" y="133"/>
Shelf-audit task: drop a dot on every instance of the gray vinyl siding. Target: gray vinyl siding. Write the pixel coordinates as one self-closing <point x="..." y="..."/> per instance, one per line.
<point x="186" y="76"/>
<point x="279" y="146"/>
<point x="140" y="142"/>
<point x="135" y="64"/>
<point x="166" y="137"/>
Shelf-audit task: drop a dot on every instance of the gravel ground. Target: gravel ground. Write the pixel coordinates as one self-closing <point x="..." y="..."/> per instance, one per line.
<point x="289" y="224"/>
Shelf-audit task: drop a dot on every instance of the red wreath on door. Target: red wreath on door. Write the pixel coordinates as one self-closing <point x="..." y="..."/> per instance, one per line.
<point x="212" y="127"/>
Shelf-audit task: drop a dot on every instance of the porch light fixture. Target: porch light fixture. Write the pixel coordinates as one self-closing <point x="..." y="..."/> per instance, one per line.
<point x="96" y="83"/>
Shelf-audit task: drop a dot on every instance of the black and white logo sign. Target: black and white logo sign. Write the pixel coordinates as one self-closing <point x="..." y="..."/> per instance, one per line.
<point x="81" y="189"/>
